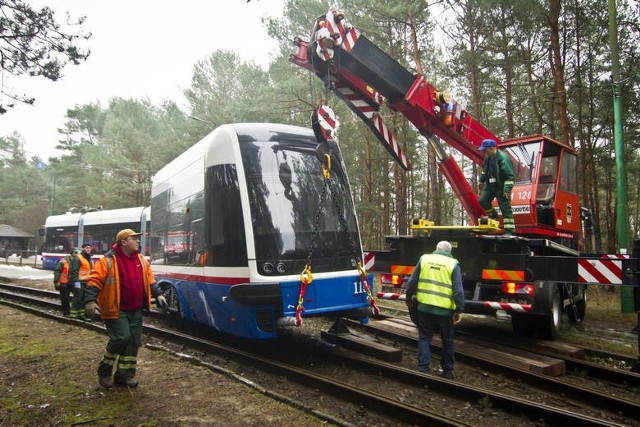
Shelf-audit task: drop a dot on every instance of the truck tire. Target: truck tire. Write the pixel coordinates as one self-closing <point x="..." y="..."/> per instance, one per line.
<point x="580" y="305"/>
<point x="548" y="325"/>
<point x="522" y="324"/>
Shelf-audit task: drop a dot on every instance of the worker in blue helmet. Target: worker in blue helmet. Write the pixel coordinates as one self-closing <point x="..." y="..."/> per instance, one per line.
<point x="496" y="182"/>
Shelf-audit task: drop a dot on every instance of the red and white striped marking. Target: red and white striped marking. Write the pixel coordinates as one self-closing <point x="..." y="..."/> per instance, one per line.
<point x="508" y="306"/>
<point x="344" y="34"/>
<point x="606" y="271"/>
<point x="392" y="296"/>
<point x="322" y="51"/>
<point x="369" y="261"/>
<point x="358" y="101"/>
<point x="327" y="121"/>
<point x="369" y="114"/>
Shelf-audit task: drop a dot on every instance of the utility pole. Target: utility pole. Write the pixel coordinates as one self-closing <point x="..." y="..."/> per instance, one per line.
<point x="622" y="217"/>
<point x="53" y="195"/>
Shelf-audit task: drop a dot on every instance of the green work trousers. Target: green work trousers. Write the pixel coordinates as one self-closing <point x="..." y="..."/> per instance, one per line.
<point x="125" y="337"/>
<point x="77" y="308"/>
<point x="491" y="192"/>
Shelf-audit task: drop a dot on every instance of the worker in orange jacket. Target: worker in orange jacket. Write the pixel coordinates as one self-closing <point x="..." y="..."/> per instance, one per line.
<point x="122" y="283"/>
<point x="65" y="275"/>
<point x="86" y="265"/>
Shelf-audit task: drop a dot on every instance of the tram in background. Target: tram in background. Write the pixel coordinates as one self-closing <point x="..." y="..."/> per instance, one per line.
<point x="64" y="232"/>
<point x="237" y="218"/>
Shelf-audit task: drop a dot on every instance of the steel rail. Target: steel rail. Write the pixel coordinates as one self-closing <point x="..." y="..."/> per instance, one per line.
<point x="578" y="394"/>
<point x="385" y="405"/>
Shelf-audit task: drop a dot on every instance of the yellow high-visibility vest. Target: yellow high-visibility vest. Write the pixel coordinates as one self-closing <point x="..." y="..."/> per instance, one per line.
<point x="435" y="286"/>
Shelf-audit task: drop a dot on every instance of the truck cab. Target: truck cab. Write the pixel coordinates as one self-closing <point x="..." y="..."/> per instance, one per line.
<point x="545" y="197"/>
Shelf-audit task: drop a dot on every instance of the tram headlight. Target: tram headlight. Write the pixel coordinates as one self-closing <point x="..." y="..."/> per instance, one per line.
<point x="268" y="268"/>
<point x="354" y="263"/>
<point x="281" y="268"/>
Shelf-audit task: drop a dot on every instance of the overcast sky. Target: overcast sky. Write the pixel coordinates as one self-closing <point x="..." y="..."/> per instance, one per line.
<point x="139" y="49"/>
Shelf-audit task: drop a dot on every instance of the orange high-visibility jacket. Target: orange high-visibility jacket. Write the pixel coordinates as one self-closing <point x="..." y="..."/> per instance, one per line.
<point x="64" y="273"/>
<point x="104" y="285"/>
<point x="85" y="268"/>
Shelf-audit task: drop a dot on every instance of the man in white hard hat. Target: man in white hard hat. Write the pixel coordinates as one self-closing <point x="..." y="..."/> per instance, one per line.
<point x="436" y="287"/>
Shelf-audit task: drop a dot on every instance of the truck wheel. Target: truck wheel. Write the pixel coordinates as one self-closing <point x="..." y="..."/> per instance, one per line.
<point x="580" y="306"/>
<point x="521" y="324"/>
<point x="549" y="324"/>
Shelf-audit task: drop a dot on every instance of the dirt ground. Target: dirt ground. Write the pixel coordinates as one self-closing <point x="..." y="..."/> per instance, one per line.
<point x="48" y="378"/>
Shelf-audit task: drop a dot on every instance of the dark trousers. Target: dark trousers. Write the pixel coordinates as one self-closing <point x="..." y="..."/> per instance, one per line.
<point x="65" y="298"/>
<point x="125" y="337"/>
<point x="77" y="308"/>
<point x="491" y="192"/>
<point x="427" y="325"/>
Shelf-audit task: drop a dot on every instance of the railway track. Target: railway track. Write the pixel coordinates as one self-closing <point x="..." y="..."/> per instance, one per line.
<point x="325" y="372"/>
<point x="574" y="359"/>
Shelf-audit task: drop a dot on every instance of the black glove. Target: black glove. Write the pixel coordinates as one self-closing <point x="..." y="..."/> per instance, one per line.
<point x="90" y="310"/>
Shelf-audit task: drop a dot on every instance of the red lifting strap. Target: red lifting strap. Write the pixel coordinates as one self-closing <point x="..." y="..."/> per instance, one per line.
<point x="305" y="278"/>
<point x="365" y="282"/>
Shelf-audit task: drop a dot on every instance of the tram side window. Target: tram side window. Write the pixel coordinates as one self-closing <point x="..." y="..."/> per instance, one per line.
<point x="197" y="249"/>
<point x="159" y="226"/>
<point x="224" y="226"/>
<point x="176" y="246"/>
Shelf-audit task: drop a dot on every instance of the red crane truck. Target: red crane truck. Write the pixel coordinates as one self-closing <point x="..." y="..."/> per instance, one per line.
<point x="535" y="275"/>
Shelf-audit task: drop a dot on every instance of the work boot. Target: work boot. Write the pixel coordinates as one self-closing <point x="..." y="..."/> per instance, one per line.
<point x="128" y="382"/>
<point x="106" y="381"/>
<point x="447" y="375"/>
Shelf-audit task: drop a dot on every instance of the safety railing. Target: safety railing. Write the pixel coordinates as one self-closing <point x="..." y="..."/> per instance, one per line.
<point x="20" y="257"/>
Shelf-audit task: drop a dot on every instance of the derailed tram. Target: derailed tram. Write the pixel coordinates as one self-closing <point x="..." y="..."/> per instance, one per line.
<point x="254" y="227"/>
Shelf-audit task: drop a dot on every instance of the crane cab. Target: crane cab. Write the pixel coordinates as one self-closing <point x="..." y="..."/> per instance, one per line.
<point x="545" y="197"/>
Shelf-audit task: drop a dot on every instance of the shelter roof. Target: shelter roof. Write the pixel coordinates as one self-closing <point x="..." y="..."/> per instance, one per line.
<point x="9" y="231"/>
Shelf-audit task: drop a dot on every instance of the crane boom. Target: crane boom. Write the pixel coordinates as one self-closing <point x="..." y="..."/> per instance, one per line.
<point x="544" y="199"/>
<point x="364" y="77"/>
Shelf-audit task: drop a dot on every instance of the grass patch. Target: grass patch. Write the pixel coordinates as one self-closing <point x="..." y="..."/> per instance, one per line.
<point x="605" y="305"/>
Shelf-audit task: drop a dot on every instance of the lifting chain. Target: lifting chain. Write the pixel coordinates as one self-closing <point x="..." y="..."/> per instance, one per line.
<point x="306" y="277"/>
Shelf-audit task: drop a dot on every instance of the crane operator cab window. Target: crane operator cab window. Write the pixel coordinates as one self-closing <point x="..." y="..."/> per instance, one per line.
<point x="547" y="181"/>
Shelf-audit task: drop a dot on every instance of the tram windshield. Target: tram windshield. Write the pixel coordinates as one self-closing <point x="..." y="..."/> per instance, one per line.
<point x="295" y="215"/>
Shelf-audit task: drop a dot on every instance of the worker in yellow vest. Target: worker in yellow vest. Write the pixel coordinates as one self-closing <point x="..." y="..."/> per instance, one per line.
<point x="436" y="287"/>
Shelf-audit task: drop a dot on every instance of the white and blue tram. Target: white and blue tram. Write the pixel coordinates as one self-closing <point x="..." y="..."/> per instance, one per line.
<point x="64" y="232"/>
<point x="240" y="216"/>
